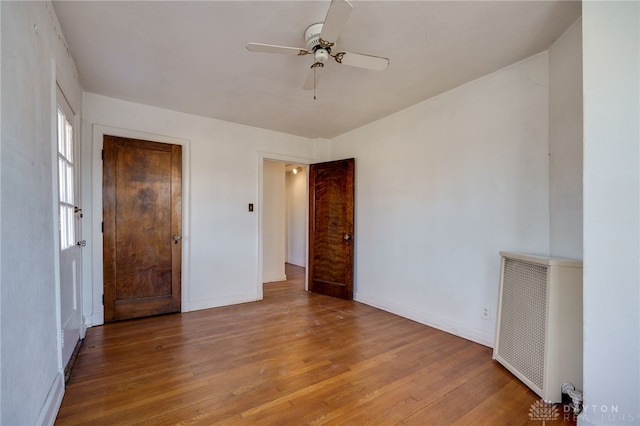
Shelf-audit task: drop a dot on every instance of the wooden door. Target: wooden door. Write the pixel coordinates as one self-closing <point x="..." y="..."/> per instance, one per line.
<point x="142" y="209"/>
<point x="331" y="200"/>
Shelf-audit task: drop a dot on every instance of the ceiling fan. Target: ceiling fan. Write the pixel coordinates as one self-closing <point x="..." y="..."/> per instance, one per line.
<point x="320" y="39"/>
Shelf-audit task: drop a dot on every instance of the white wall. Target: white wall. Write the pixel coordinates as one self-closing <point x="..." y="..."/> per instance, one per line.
<point x="273" y="221"/>
<point x="34" y="56"/>
<point x="565" y="144"/>
<point x="297" y="217"/>
<point x="445" y="185"/>
<point x="221" y="166"/>
<point x="611" y="63"/>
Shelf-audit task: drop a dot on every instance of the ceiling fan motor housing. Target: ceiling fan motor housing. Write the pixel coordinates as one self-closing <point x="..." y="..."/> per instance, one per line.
<point x="312" y="36"/>
<point x="321" y="55"/>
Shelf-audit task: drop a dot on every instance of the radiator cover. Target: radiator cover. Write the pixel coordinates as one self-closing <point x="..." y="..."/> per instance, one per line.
<point x="539" y="322"/>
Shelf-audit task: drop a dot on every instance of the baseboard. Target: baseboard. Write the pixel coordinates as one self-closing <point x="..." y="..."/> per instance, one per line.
<point x="97" y="318"/>
<point x="196" y="305"/>
<point x="274" y="278"/>
<point x="460" y="330"/>
<point x="298" y="262"/>
<point x="51" y="406"/>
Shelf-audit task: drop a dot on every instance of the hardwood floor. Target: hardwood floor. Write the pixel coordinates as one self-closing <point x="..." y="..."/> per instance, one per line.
<point x="294" y="358"/>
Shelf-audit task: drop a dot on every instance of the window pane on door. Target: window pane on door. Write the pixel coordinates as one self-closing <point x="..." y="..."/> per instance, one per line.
<point x="66" y="181"/>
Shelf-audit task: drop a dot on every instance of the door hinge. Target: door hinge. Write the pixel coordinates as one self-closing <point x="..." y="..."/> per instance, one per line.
<point x="103" y="299"/>
<point x="103" y="227"/>
<point x="103" y="154"/>
<point x="62" y="337"/>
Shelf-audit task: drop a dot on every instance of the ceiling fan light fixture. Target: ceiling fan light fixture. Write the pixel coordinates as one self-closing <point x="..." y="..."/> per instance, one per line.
<point x="321" y="55"/>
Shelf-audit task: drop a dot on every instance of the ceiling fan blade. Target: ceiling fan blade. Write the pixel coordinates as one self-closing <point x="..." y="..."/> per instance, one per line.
<point x="313" y="76"/>
<point x="337" y="16"/>
<point x="270" y="48"/>
<point x="359" y="60"/>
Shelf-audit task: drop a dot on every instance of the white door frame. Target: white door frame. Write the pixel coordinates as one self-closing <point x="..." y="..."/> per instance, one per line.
<point x="94" y="289"/>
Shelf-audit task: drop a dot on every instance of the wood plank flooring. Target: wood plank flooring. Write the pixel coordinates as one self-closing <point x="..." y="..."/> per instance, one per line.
<point x="294" y="358"/>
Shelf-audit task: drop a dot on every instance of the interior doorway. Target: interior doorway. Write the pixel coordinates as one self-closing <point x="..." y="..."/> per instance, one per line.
<point x="284" y="219"/>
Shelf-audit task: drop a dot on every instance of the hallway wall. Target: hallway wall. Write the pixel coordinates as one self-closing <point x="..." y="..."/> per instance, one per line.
<point x="297" y="217"/>
<point x="274" y="222"/>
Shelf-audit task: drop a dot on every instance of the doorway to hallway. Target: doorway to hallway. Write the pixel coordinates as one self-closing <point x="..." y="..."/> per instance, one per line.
<point x="284" y="219"/>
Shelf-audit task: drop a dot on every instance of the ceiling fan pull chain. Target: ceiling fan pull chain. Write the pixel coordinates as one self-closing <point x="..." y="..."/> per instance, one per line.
<point x="315" y="79"/>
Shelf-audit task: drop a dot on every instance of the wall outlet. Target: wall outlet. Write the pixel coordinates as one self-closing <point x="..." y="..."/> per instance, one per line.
<point x="485" y="314"/>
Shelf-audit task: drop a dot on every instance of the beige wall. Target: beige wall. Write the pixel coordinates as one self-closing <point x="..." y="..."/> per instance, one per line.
<point x="273" y="222"/>
<point x="565" y="144"/>
<point x="442" y="187"/>
<point x="222" y="166"/>
<point x="297" y="217"/>
<point x="611" y="63"/>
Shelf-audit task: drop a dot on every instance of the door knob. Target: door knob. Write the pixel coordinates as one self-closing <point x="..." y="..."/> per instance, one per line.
<point x="176" y="238"/>
<point x="347" y="237"/>
<point x="81" y="243"/>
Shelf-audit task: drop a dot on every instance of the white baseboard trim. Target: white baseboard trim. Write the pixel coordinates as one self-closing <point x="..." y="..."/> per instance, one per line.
<point x="457" y="329"/>
<point x="298" y="262"/>
<point x="83" y="331"/>
<point x="197" y="305"/>
<point x="274" y="278"/>
<point x="49" y="411"/>
<point x="97" y="318"/>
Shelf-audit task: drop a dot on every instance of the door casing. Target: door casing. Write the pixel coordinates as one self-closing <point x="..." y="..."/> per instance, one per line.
<point x="262" y="157"/>
<point x="289" y="159"/>
<point x="94" y="276"/>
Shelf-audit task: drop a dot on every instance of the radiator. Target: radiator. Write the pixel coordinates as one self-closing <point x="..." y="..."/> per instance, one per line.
<point x="539" y="322"/>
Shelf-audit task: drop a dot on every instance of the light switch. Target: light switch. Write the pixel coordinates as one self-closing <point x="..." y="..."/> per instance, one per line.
<point x="250" y="207"/>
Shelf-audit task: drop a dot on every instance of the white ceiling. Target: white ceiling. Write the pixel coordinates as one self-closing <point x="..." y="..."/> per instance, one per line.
<point x="191" y="57"/>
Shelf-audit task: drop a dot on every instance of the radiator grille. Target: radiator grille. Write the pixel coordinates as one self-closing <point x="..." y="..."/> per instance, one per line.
<point x="522" y="321"/>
